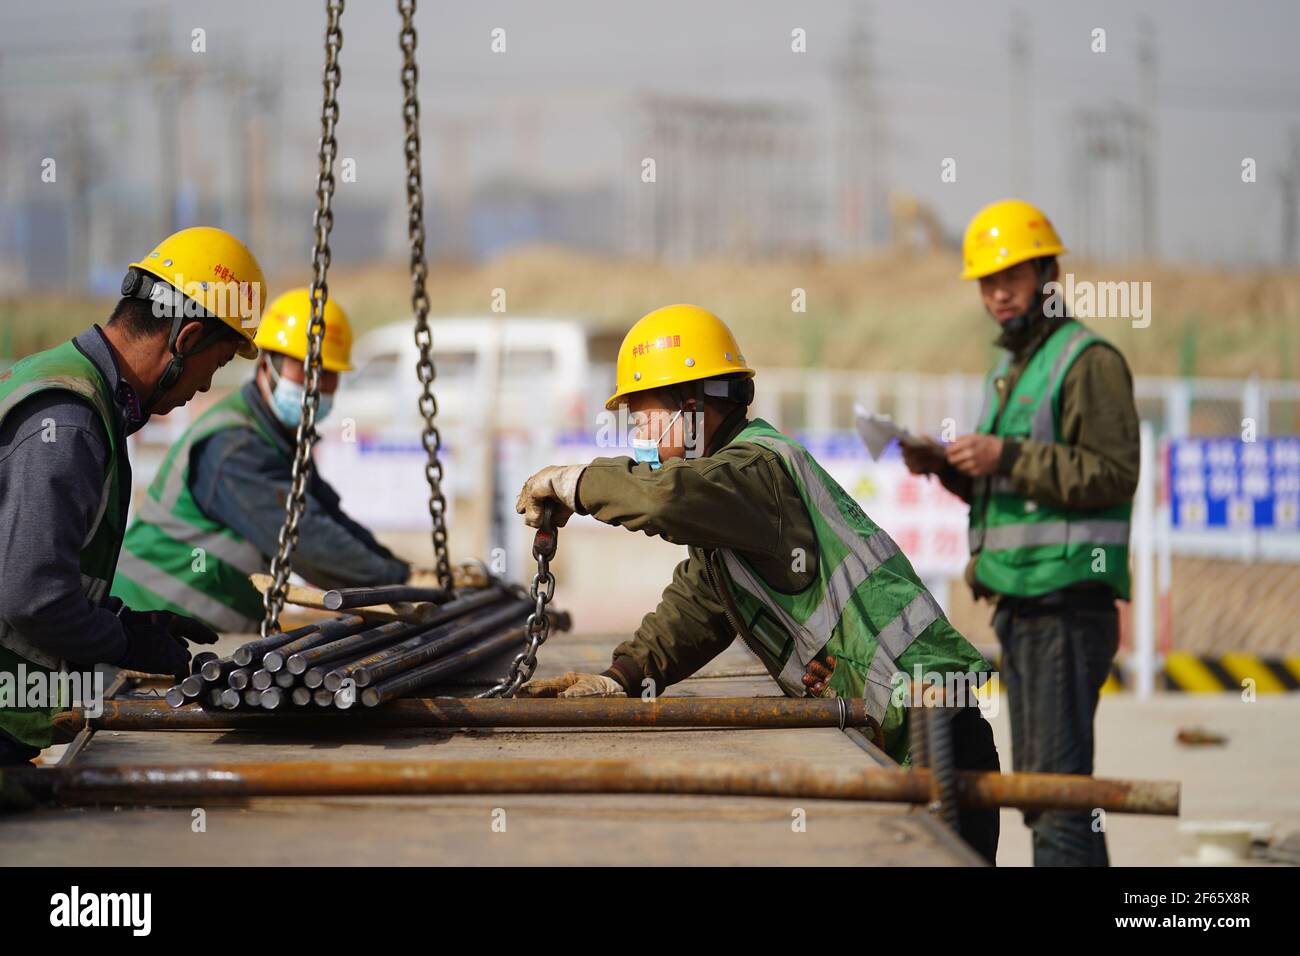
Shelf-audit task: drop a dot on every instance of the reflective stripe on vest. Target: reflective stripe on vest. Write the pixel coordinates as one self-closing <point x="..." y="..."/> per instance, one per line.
<point x="171" y="529"/>
<point x="864" y="556"/>
<point x="240" y="555"/>
<point x="94" y="588"/>
<point x="1043" y="427"/>
<point x="1029" y="535"/>
<point x="179" y="593"/>
<point x="174" y="483"/>
<point x="1006" y="525"/>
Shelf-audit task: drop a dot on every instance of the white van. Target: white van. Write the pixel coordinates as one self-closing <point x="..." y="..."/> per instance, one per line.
<point x="537" y="368"/>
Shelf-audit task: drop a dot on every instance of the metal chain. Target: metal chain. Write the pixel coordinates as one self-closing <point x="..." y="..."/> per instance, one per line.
<point x="424" y="369"/>
<point x="538" y="625"/>
<point x="281" y="564"/>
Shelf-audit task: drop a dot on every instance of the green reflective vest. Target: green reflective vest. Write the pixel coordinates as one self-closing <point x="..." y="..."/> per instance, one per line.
<point x="178" y="559"/>
<point x="64" y="367"/>
<point x="1027" y="548"/>
<point x="866" y="607"/>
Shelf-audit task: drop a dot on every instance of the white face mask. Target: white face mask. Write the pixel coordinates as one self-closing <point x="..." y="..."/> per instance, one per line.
<point x="286" y="400"/>
<point x="647" y="449"/>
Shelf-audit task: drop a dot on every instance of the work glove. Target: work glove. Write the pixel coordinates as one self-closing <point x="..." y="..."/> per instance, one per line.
<point x="156" y="641"/>
<point x="924" y="457"/>
<point x="557" y="483"/>
<point x="573" y="684"/>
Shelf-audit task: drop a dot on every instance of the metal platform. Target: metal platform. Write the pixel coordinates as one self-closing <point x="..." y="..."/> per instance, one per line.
<point x="469" y="831"/>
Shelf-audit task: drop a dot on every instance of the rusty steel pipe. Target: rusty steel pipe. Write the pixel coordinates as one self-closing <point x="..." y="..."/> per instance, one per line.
<point x="439" y="712"/>
<point x="135" y="785"/>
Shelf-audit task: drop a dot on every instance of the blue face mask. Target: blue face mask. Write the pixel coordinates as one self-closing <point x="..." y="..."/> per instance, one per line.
<point x="286" y="400"/>
<point x="647" y="449"/>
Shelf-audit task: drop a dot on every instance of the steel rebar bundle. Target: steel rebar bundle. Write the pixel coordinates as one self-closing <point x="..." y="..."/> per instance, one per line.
<point x="321" y="665"/>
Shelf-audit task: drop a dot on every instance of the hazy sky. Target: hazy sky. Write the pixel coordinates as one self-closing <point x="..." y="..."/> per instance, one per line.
<point x="1228" y="87"/>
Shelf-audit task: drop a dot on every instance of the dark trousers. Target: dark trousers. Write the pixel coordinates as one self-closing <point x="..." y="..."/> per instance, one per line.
<point x="14" y="753"/>
<point x="1056" y="653"/>
<point x="973" y="749"/>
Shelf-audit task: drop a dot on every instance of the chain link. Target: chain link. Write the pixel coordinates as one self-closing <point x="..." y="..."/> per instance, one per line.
<point x="538" y="625"/>
<point x="430" y="437"/>
<point x="281" y="564"/>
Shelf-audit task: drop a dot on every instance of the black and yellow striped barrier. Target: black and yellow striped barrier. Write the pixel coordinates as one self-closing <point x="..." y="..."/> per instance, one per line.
<point x="1211" y="674"/>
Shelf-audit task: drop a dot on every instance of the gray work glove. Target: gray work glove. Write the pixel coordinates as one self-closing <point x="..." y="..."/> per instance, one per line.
<point x="556" y="483"/>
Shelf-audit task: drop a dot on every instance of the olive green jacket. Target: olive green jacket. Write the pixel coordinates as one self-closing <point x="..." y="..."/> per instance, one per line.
<point x="738" y="498"/>
<point x="1097" y="466"/>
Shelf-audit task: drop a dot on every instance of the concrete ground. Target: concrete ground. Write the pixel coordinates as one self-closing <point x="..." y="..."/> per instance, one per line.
<point x="1254" y="777"/>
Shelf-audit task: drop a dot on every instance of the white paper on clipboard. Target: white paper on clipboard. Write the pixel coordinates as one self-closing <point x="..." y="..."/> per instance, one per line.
<point x="876" y="432"/>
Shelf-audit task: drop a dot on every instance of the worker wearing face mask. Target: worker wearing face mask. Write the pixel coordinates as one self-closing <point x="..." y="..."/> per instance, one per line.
<point x="777" y="552"/>
<point x="213" y="514"/>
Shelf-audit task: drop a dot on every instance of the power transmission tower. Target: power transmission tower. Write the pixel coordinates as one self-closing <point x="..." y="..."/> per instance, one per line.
<point x="1147" y="161"/>
<point x="861" y="190"/>
<point x="1021" y="117"/>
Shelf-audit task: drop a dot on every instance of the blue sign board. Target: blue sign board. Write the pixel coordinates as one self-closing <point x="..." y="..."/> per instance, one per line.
<point x="1229" y="483"/>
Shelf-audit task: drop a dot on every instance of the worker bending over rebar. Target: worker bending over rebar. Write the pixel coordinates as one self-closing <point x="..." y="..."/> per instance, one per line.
<point x="222" y="487"/>
<point x="187" y="308"/>
<point x="779" y="553"/>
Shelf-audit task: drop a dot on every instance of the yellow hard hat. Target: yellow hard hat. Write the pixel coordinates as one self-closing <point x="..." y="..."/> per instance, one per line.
<point x="675" y="344"/>
<point x="216" y="271"/>
<point x="284" y="330"/>
<point x="1005" y="233"/>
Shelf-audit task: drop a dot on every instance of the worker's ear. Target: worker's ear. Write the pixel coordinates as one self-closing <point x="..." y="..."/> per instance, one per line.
<point x="691" y="425"/>
<point x="190" y="335"/>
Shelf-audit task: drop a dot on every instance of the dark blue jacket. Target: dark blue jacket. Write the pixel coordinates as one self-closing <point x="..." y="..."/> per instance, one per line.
<point x="239" y="480"/>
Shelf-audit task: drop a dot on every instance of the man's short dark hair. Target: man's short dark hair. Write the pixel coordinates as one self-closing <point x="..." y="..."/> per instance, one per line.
<point x="136" y="317"/>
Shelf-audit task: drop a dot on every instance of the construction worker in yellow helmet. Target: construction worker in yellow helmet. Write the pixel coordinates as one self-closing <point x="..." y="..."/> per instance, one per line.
<point x="221" y="489"/>
<point x="1050" y="473"/>
<point x="187" y="308"/>
<point x="778" y="553"/>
